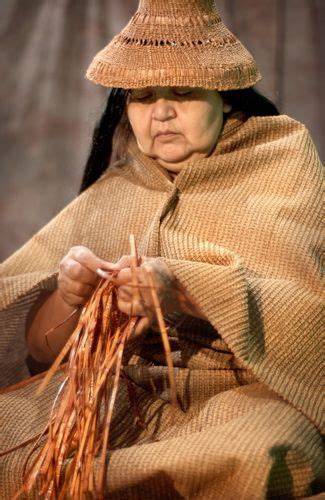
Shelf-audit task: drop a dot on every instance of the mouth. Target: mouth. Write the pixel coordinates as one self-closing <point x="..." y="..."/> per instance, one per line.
<point x="165" y="135"/>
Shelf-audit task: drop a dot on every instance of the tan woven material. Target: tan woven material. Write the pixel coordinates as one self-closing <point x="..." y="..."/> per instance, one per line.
<point x="241" y="231"/>
<point x="175" y="43"/>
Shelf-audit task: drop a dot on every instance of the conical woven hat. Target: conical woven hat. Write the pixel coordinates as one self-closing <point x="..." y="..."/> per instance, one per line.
<point x="175" y="43"/>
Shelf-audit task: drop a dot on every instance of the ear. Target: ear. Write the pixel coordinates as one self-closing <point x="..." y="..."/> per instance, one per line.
<point x="226" y="107"/>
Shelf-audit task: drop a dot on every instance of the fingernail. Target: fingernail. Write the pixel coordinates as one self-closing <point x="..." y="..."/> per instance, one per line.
<point x="102" y="274"/>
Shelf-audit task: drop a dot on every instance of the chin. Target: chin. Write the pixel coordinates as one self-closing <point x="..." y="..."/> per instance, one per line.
<point x="171" y="162"/>
<point x="172" y="157"/>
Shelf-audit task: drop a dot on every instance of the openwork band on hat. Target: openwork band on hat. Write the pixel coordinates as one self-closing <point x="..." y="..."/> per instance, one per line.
<point x="175" y="43"/>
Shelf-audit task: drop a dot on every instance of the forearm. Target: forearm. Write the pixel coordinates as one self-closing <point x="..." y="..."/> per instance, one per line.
<point x="48" y="312"/>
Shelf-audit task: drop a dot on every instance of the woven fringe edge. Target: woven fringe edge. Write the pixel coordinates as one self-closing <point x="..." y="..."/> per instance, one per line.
<point x="234" y="78"/>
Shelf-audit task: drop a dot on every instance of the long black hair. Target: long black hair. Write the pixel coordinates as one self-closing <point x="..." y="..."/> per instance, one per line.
<point x="102" y="141"/>
<point x="250" y="101"/>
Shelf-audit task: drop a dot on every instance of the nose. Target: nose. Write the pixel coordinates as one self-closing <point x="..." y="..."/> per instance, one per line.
<point x="163" y="109"/>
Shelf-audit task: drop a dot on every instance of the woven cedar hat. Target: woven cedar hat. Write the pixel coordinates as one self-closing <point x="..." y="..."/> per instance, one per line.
<point x="175" y="43"/>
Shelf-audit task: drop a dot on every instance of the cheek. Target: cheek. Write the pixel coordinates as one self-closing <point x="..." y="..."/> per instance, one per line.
<point x="203" y="124"/>
<point x="140" y="123"/>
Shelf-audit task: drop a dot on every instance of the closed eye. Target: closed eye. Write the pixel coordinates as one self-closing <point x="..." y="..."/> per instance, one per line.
<point x="144" y="95"/>
<point x="136" y="95"/>
<point x="182" y="92"/>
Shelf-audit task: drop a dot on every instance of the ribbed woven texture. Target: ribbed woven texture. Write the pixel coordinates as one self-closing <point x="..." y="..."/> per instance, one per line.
<point x="241" y="230"/>
<point x="175" y="43"/>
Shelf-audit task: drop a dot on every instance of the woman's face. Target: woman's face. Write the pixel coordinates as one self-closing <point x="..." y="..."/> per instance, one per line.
<point x="176" y="124"/>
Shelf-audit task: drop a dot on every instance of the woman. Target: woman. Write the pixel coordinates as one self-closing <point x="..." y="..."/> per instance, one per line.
<point x="224" y="205"/>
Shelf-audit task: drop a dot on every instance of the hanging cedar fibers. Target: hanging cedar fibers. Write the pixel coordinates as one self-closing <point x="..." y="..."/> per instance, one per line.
<point x="79" y="425"/>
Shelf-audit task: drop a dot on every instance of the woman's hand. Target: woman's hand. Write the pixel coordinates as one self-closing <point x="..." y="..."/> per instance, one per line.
<point x="76" y="282"/>
<point x="141" y="304"/>
<point x="163" y="281"/>
<point x="77" y="275"/>
<point x="171" y="298"/>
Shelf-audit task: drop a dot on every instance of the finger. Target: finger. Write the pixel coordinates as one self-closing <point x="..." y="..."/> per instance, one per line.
<point x="78" y="288"/>
<point x="126" y="262"/>
<point x="122" y="263"/>
<point x="141" y="327"/>
<point x="131" y="308"/>
<point x="149" y="262"/>
<point x="88" y="259"/>
<point x="159" y="269"/>
<point x="124" y="276"/>
<point x="73" y="300"/>
<point x="142" y="303"/>
<point x="103" y="274"/>
<point x="78" y="272"/>
<point x="125" y="293"/>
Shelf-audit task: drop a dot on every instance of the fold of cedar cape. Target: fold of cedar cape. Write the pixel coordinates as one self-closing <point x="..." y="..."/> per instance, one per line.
<point x="241" y="232"/>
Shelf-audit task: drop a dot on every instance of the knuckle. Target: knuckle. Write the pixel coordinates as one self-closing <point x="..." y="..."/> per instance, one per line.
<point x="74" y="269"/>
<point x="148" y="266"/>
<point x="63" y="263"/>
<point x="83" y="290"/>
<point x="79" y="289"/>
<point x="80" y="252"/>
<point x="123" y="275"/>
<point x="73" y="300"/>
<point x="66" y="297"/>
<point x="124" y="307"/>
<point x="123" y="291"/>
<point x="139" y="308"/>
<point x="124" y="261"/>
<point x="73" y="250"/>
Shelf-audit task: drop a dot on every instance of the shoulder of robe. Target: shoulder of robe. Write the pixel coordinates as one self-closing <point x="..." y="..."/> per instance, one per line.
<point x="284" y="125"/>
<point x="280" y="136"/>
<point x="69" y="227"/>
<point x="116" y="169"/>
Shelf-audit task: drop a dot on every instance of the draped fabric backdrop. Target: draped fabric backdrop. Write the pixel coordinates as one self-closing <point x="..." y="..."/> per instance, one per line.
<point x="48" y="110"/>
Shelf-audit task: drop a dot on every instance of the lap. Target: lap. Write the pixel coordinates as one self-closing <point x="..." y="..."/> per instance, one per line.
<point x="237" y="442"/>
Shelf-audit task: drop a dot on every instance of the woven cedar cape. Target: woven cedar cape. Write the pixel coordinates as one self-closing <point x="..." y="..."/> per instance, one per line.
<point x="241" y="232"/>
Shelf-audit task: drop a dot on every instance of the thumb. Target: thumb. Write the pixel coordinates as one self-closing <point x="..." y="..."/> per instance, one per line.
<point x="105" y="267"/>
<point x="124" y="262"/>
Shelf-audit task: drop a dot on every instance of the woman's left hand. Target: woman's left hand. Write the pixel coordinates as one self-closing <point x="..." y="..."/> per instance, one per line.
<point x="142" y="305"/>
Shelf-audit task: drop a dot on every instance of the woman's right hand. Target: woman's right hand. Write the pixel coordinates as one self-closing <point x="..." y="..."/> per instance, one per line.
<point x="77" y="277"/>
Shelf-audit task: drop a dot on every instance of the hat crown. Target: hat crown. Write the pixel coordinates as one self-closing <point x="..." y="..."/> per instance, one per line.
<point x="177" y="7"/>
<point x="175" y="43"/>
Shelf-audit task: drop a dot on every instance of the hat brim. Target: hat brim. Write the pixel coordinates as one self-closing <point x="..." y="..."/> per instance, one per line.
<point x="144" y="55"/>
<point x="128" y="74"/>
